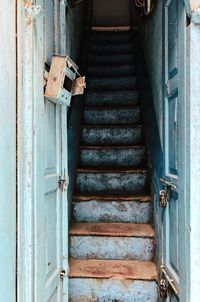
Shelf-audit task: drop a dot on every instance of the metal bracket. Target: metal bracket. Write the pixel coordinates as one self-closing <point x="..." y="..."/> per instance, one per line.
<point x="33" y="11"/>
<point x="63" y="182"/>
<point x="166" y="284"/>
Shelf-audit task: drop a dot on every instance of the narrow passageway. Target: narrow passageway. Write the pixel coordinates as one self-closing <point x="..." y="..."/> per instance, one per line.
<point x="111" y="236"/>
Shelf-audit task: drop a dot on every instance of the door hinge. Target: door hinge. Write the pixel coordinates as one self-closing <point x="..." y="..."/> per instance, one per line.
<point x="165" y="192"/>
<point x="33" y="11"/>
<point x="166" y="284"/>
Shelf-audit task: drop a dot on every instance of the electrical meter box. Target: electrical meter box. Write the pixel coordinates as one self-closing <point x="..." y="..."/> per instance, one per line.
<point x="62" y="82"/>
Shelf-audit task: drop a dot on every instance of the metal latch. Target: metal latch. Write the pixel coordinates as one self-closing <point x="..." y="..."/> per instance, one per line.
<point x="166" y="284"/>
<point x="62" y="274"/>
<point x="165" y="192"/>
<point x="63" y="182"/>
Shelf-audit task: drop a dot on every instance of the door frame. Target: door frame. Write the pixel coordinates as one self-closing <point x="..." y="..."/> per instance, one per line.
<point x="8" y="103"/>
<point x="30" y="88"/>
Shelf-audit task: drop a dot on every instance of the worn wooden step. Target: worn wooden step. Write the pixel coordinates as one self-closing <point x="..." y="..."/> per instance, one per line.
<point x="111" y="229"/>
<point x="111" y="98"/>
<point x="95" y="207"/>
<point x="111" y="135"/>
<point x="111" y="241"/>
<point x="115" y="269"/>
<point x="112" y="280"/>
<point x="113" y="70"/>
<point x="111" y="115"/>
<point x="113" y="180"/>
<point x="117" y="156"/>
<point x="112" y="83"/>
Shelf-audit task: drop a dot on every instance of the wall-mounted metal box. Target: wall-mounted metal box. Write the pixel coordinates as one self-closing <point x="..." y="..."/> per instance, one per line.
<point x="62" y="82"/>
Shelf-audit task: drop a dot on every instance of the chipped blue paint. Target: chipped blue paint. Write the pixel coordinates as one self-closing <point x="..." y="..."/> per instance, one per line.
<point x="98" y="247"/>
<point x="112" y="290"/>
<point x="110" y="156"/>
<point x="119" y="211"/>
<point x="111" y="135"/>
<point x="130" y="182"/>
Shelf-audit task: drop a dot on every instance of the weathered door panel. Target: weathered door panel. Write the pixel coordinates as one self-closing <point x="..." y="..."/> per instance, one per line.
<point x="51" y="217"/>
<point x="174" y="257"/>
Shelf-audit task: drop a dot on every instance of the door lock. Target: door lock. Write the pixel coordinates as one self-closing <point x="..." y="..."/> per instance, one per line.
<point x="163" y="198"/>
<point x="165" y="192"/>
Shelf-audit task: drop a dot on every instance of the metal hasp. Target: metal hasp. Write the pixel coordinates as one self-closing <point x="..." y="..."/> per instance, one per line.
<point x="165" y="192"/>
<point x="166" y="284"/>
<point x="62" y="83"/>
<point x="63" y="182"/>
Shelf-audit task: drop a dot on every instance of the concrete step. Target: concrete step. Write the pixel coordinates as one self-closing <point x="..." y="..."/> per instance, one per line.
<point x="118" y="156"/>
<point x="113" y="37"/>
<point x="127" y="180"/>
<point x="111" y="48"/>
<point x="112" y="83"/>
<point x="111" y="98"/>
<point x="112" y="208"/>
<point x="111" y="115"/>
<point x="112" y="59"/>
<point x="112" y="280"/>
<point x="111" y="241"/>
<point x="113" y="70"/>
<point x="111" y="135"/>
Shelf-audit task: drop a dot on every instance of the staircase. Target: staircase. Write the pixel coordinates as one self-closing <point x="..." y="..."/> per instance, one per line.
<point x="111" y="237"/>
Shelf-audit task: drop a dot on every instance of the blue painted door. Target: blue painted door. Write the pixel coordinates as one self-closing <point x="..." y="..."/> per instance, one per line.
<point x="174" y="221"/>
<point x="51" y="217"/>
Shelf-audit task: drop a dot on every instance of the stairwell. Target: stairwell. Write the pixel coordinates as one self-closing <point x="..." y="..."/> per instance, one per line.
<point x="111" y="236"/>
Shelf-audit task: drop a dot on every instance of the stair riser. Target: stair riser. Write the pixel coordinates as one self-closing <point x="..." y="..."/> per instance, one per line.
<point x="96" y="247"/>
<point x="111" y="70"/>
<point x="112" y="59"/>
<point x="109" y="136"/>
<point x="115" y="116"/>
<point x="112" y="157"/>
<point x="110" y="48"/>
<point x="134" y="183"/>
<point x="112" y="83"/>
<point x="111" y="98"/>
<point x="112" y="38"/>
<point x="103" y="290"/>
<point x="113" y="211"/>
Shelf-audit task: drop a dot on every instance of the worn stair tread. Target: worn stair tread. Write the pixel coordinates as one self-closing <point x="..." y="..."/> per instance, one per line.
<point x="111" y="170"/>
<point x="112" y="269"/>
<point x="111" y="229"/>
<point x="111" y="107"/>
<point x="117" y="126"/>
<point x="96" y="147"/>
<point x="109" y="197"/>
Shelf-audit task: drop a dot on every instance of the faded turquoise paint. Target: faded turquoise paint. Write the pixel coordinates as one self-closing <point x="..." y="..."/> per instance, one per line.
<point x="175" y="247"/>
<point x="151" y="35"/>
<point x="112" y="290"/>
<point x="8" y="152"/>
